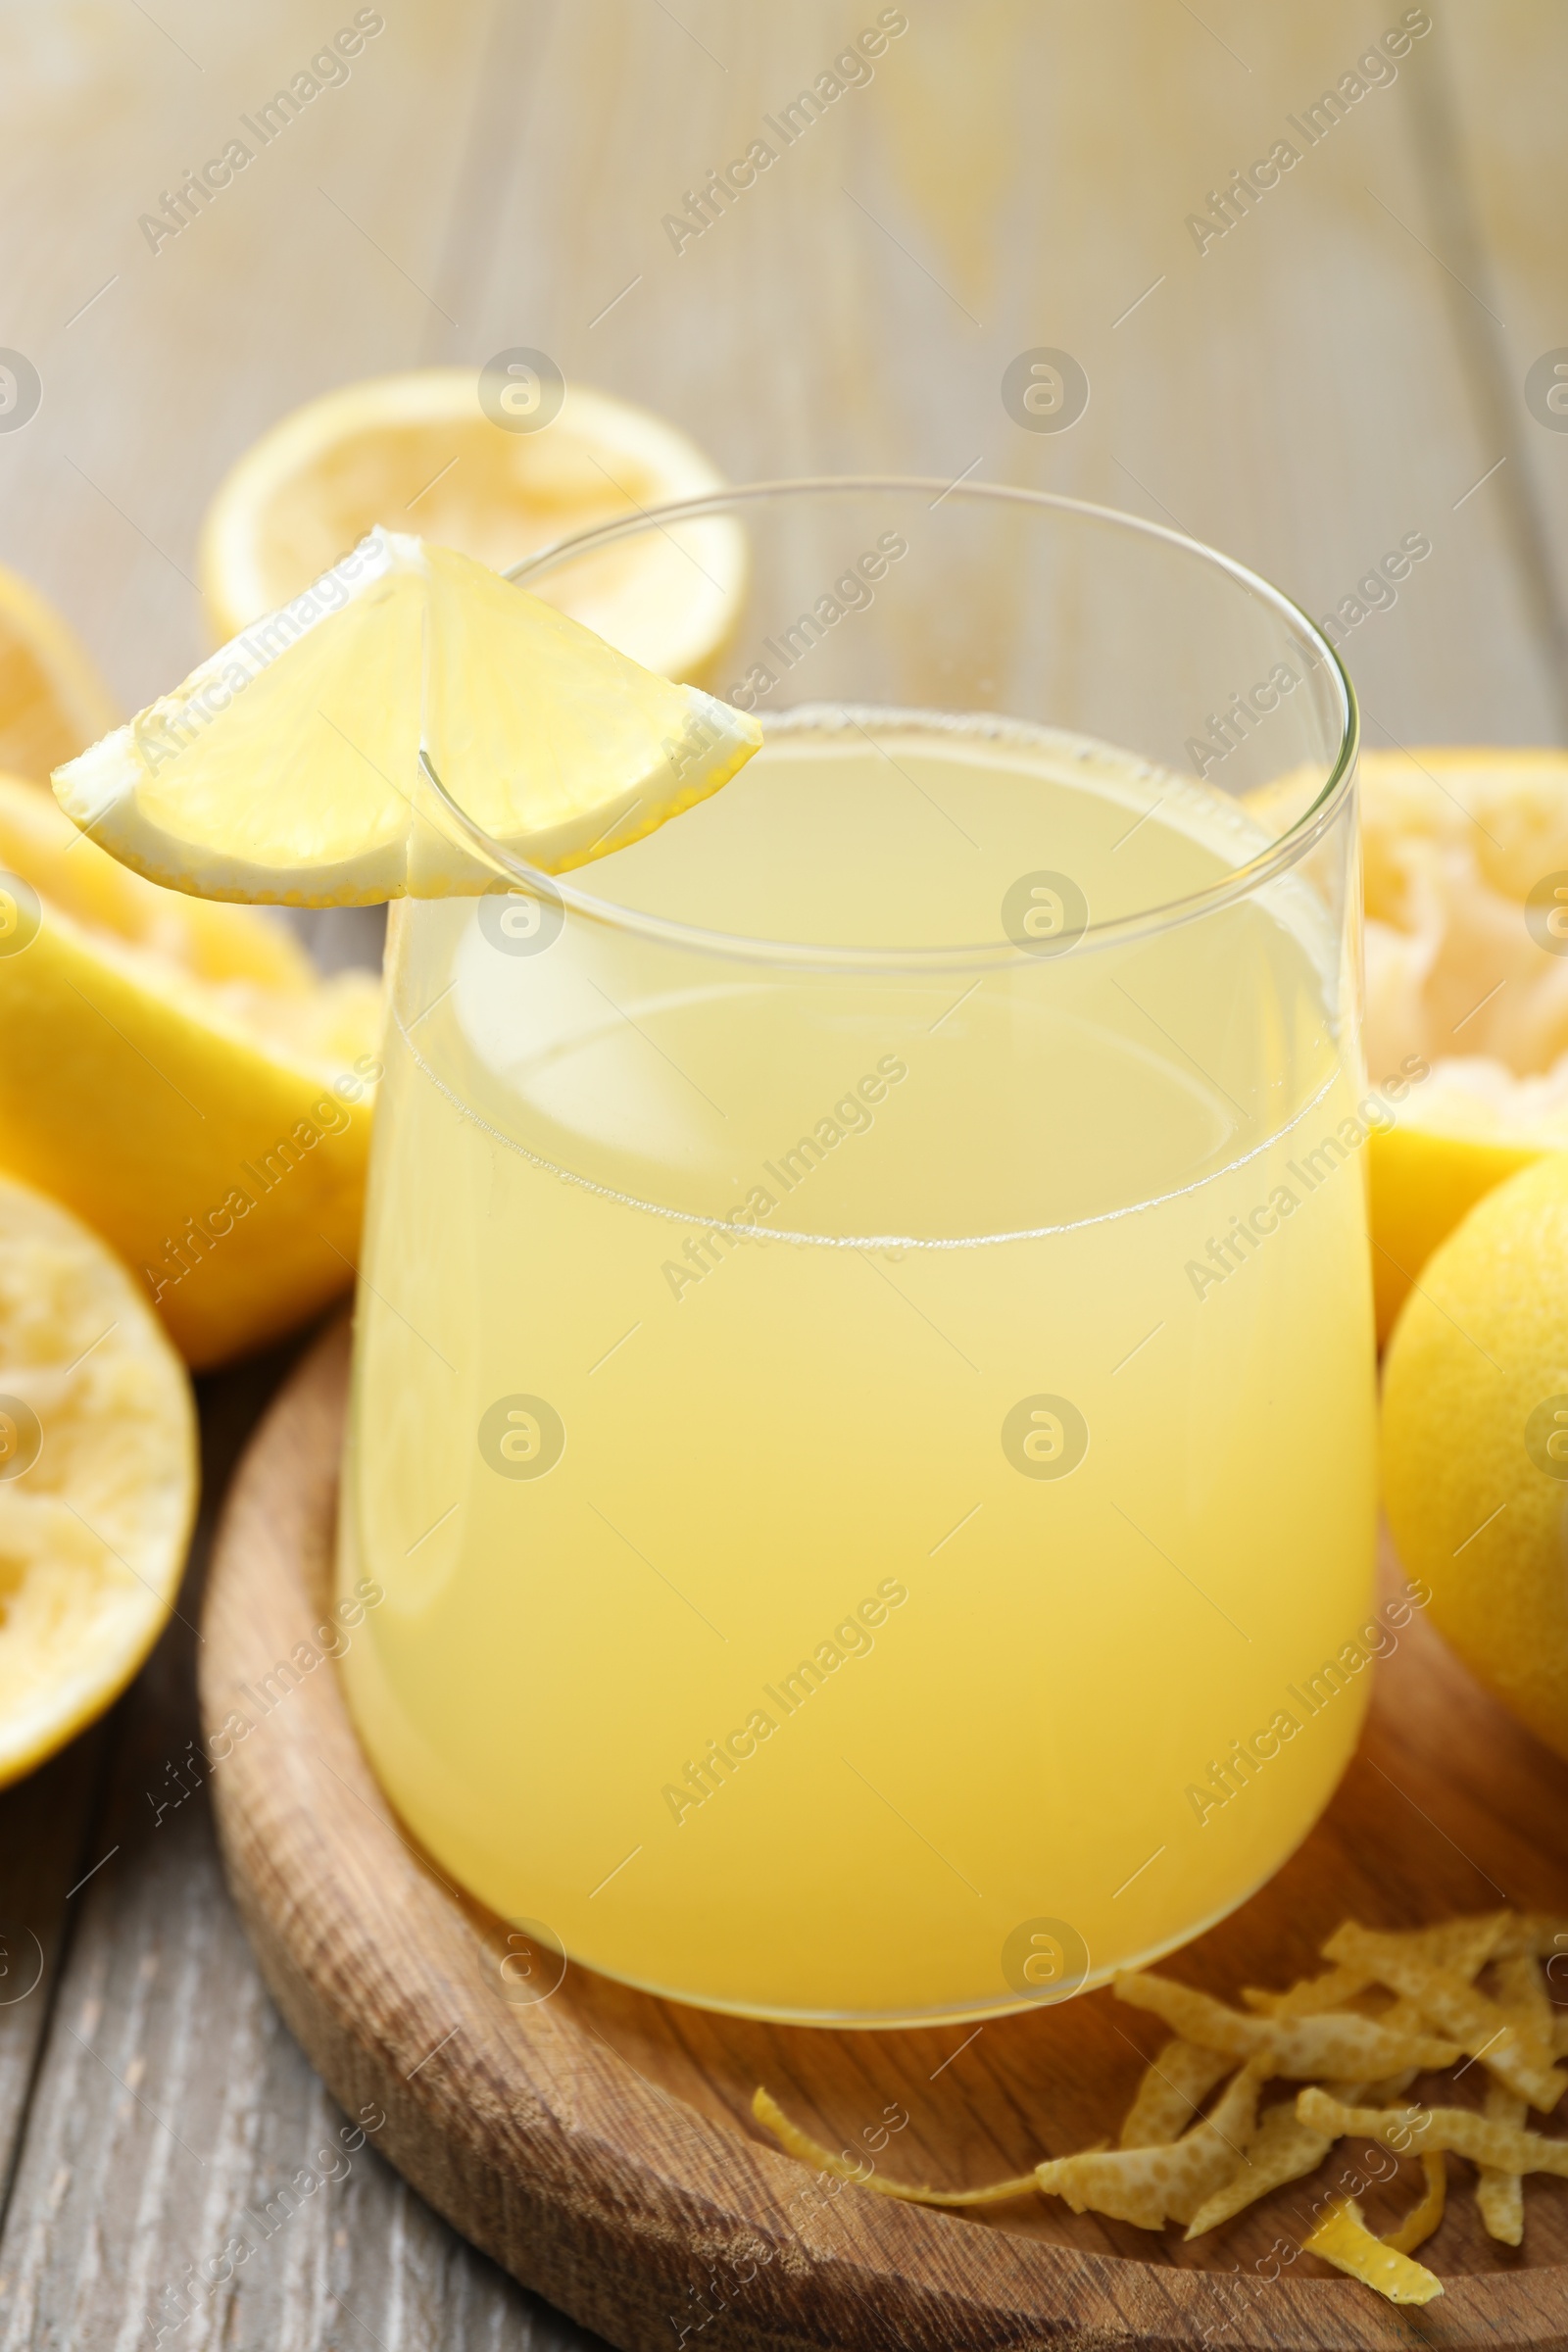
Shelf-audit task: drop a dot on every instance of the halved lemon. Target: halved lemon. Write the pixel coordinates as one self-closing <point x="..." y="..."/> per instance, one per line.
<point x="52" y="700"/>
<point x="297" y="764"/>
<point x="417" y="453"/>
<point x="97" y="1478"/>
<point x="1466" y="891"/>
<point x="180" y="1076"/>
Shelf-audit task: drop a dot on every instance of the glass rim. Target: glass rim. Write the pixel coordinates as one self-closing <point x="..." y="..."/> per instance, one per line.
<point x="1241" y="882"/>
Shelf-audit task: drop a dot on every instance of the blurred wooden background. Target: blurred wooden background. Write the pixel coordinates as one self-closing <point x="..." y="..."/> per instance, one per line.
<point x="1345" y="365"/>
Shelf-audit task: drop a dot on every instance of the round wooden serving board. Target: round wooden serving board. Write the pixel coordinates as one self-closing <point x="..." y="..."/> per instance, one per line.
<point x="599" y="2143"/>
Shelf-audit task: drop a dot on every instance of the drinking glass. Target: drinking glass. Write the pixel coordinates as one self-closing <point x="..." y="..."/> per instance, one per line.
<point x="862" y="1406"/>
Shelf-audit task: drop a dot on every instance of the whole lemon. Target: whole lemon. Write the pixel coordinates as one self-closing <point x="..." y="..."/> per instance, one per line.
<point x="1475" y="1442"/>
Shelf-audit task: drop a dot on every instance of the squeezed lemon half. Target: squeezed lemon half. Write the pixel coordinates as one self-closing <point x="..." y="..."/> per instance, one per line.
<point x="97" y="1478"/>
<point x="418" y="452"/>
<point x="294" y="765"/>
<point x="180" y="1076"/>
<point x="1465" y="852"/>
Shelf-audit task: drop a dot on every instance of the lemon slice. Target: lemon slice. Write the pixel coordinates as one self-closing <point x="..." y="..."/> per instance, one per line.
<point x="52" y="700"/>
<point x="418" y="453"/>
<point x="178" y="1075"/>
<point x="97" y="1478"/>
<point x="288" y="766"/>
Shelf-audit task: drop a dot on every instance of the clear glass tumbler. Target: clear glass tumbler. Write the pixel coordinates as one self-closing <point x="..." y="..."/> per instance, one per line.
<point x="863" y="1383"/>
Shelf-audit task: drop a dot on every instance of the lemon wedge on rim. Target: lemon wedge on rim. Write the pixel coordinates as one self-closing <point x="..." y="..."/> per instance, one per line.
<point x="97" y="1478"/>
<point x="295" y="764"/>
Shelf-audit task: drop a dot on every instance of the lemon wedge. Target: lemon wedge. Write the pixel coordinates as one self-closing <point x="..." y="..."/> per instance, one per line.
<point x="418" y="452"/>
<point x="52" y="700"/>
<point x="97" y="1478"/>
<point x="292" y="765"/>
<point x="180" y="1076"/>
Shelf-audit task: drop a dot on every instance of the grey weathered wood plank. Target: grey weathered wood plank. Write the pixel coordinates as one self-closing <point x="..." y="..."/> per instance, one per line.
<point x="171" y="2113"/>
<point x="303" y="272"/>
<point x="1020" y="176"/>
<point x="1294" y="393"/>
<point x="44" y="1822"/>
<point x="1497" y="148"/>
<point x="173" y="2117"/>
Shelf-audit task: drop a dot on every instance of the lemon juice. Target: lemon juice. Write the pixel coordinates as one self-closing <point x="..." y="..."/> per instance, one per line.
<point x="863" y="1396"/>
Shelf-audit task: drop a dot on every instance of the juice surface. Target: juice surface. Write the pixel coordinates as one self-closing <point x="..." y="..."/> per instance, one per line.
<point x="869" y="1470"/>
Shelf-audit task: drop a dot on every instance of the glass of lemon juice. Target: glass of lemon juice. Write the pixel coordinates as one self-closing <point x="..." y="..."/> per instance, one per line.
<point x="863" y="1383"/>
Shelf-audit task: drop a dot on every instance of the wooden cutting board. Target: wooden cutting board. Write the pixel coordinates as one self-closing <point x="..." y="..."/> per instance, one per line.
<point x="599" y="2143"/>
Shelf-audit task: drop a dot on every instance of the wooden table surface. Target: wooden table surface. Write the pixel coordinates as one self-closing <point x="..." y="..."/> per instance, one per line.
<point x="1346" y="365"/>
